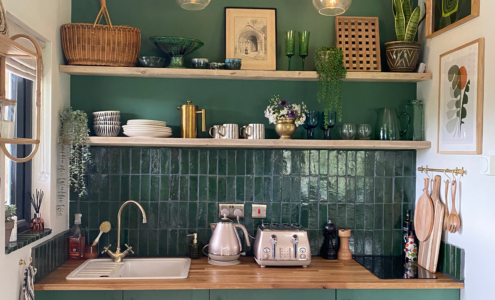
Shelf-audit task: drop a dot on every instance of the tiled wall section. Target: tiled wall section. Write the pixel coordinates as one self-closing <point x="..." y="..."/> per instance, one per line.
<point x="367" y="191"/>
<point x="451" y="260"/>
<point x="50" y="255"/>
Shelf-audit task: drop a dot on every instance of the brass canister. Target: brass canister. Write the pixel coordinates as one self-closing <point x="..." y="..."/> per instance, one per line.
<point x="189" y="120"/>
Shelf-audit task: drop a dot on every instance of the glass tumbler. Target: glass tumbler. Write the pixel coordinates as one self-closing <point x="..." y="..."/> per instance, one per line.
<point x="348" y="131"/>
<point x="416" y="128"/>
<point x="364" y="131"/>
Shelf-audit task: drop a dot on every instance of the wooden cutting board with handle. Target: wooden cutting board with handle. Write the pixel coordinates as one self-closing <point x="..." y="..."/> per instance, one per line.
<point x="424" y="214"/>
<point x="429" y="249"/>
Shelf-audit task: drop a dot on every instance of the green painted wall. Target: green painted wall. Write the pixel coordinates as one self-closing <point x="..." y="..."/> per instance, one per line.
<point x="227" y="101"/>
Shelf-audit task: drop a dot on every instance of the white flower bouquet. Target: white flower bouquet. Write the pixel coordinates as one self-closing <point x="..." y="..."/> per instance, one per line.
<point x="283" y="109"/>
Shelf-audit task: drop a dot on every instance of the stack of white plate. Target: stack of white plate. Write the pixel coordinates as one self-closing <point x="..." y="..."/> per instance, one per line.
<point x="106" y="123"/>
<point x="147" y="129"/>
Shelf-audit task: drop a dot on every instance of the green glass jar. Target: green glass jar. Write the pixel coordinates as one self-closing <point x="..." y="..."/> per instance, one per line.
<point x="416" y="130"/>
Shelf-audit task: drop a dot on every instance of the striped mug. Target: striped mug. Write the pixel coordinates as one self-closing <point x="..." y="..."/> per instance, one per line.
<point x="217" y="132"/>
<point x="253" y="132"/>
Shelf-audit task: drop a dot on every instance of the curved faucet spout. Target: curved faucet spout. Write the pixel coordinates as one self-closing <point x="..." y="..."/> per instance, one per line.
<point x="118" y="222"/>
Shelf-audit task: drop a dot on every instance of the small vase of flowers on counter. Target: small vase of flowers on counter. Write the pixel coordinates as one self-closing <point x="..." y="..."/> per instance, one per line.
<point x="285" y="116"/>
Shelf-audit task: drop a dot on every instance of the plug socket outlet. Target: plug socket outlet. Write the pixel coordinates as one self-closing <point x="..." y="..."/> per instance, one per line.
<point x="231" y="208"/>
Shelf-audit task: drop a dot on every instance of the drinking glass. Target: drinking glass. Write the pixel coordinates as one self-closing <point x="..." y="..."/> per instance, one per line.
<point x="303" y="45"/>
<point x="348" y="131"/>
<point x="364" y="131"/>
<point x="290" y="44"/>
<point x="416" y="130"/>
<point x="311" y="123"/>
<point x="327" y="128"/>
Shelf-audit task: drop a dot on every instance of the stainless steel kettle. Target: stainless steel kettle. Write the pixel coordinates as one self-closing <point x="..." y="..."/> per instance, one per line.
<point x="225" y="244"/>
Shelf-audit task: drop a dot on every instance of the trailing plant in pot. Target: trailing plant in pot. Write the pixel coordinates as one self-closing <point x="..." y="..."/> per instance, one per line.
<point x="285" y="116"/>
<point x="403" y="54"/>
<point x="10" y="211"/>
<point x="331" y="71"/>
<point x="74" y="129"/>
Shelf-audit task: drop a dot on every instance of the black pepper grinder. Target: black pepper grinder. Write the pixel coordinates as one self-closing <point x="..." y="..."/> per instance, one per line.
<point x="329" y="248"/>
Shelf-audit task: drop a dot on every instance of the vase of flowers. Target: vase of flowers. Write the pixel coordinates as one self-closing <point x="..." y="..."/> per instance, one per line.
<point x="285" y="116"/>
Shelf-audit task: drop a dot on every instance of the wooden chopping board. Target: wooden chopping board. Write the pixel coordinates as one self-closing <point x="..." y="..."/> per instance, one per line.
<point x="429" y="249"/>
<point x="424" y="214"/>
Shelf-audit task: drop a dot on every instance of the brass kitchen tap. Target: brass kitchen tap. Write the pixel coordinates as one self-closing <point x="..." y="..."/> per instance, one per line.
<point x="117" y="255"/>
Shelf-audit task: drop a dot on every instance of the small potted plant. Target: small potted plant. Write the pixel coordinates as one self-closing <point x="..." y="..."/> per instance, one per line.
<point x="331" y="73"/>
<point x="10" y="211"/>
<point x="403" y="54"/>
<point x="74" y="129"/>
<point x="285" y="116"/>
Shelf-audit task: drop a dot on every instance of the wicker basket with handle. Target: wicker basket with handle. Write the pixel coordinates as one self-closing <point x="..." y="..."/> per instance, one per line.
<point x="101" y="45"/>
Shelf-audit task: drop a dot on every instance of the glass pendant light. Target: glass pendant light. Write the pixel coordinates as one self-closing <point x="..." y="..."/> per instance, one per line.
<point x="332" y="7"/>
<point x="193" y="4"/>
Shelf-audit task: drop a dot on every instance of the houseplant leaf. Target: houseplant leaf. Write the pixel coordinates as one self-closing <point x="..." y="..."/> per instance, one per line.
<point x="400" y="22"/>
<point x="406" y="6"/>
<point x="412" y="26"/>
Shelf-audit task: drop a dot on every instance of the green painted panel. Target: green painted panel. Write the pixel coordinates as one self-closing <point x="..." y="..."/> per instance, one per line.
<point x="164" y="295"/>
<point x="272" y="294"/>
<point x="398" y="294"/>
<point x="167" y="18"/>
<point x="78" y="295"/>
<point x="228" y="101"/>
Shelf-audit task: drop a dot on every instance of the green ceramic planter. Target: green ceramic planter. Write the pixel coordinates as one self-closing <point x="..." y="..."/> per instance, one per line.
<point x="176" y="48"/>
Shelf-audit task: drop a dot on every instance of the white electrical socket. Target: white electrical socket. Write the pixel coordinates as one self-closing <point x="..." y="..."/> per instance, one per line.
<point x="231" y="209"/>
<point x="487" y="165"/>
<point x="259" y="211"/>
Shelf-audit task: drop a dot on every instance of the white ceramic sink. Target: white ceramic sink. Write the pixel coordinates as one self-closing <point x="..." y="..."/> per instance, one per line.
<point x="132" y="268"/>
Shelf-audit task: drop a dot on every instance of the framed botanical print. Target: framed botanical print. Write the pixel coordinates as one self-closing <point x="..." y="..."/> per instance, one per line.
<point x="460" y="104"/>
<point x="444" y="15"/>
<point x="251" y="34"/>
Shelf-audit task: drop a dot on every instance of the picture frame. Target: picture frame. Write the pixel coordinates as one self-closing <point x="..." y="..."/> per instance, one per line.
<point x="251" y="35"/>
<point x="459" y="13"/>
<point x="460" y="103"/>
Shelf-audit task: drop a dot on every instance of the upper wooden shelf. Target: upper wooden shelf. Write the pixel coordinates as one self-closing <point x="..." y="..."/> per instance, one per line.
<point x="10" y="48"/>
<point x="252" y="144"/>
<point x="238" y="74"/>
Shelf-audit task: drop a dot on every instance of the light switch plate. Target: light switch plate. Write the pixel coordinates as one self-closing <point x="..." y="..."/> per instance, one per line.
<point x="231" y="208"/>
<point x="259" y="211"/>
<point x="487" y="165"/>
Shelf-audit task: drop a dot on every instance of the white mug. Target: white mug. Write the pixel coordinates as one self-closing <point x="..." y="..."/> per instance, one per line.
<point x="217" y="132"/>
<point x="231" y="131"/>
<point x="253" y="132"/>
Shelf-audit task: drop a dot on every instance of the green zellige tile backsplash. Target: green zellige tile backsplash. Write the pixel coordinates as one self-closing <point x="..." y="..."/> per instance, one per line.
<point x="366" y="191"/>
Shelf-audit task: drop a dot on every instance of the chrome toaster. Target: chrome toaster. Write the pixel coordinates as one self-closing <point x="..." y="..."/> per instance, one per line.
<point x="282" y="245"/>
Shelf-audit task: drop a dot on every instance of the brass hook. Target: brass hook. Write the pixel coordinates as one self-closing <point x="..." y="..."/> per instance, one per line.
<point x="445" y="172"/>
<point x="427" y="174"/>
<point x="23" y="262"/>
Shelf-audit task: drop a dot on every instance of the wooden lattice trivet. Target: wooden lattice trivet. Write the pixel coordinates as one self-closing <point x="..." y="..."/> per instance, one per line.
<point x="359" y="39"/>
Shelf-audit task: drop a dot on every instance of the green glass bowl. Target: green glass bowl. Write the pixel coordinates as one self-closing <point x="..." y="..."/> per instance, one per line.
<point x="176" y="48"/>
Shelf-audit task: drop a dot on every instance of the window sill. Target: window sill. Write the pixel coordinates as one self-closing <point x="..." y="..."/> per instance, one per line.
<point x="25" y="238"/>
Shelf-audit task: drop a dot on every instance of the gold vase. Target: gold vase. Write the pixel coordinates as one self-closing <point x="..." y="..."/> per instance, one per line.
<point x="285" y="128"/>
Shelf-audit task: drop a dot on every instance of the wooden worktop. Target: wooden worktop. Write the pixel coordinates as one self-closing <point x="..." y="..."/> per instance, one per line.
<point x="321" y="274"/>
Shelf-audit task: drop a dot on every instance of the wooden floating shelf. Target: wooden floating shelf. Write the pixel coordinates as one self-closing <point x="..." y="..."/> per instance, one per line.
<point x="238" y="74"/>
<point x="253" y="144"/>
<point x="10" y="48"/>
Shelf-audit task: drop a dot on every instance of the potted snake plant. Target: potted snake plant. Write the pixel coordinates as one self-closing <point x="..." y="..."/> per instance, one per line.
<point x="10" y="211"/>
<point x="403" y="54"/>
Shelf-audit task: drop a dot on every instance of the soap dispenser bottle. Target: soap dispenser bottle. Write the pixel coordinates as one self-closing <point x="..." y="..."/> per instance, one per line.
<point x="194" y="251"/>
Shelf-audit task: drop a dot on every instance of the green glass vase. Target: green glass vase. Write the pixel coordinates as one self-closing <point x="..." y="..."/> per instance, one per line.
<point x="290" y="44"/>
<point x="304" y="45"/>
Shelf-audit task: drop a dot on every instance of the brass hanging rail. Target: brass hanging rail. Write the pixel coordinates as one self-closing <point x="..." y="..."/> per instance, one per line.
<point x="457" y="171"/>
